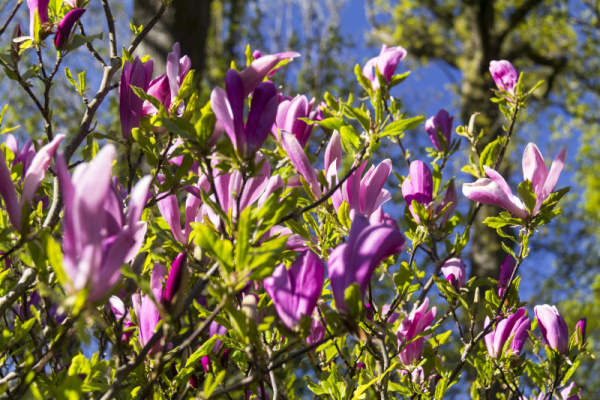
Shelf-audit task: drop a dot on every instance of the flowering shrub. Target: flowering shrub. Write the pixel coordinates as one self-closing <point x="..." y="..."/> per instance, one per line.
<point x="280" y="265"/>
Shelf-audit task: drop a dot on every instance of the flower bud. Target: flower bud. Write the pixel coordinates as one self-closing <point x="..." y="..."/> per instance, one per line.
<point x="176" y="284"/>
<point x="65" y="26"/>
<point x="504" y="74"/>
<point x="506" y="271"/>
<point x="554" y="328"/>
<point x="580" y="331"/>
<point x="442" y="122"/>
<point x="457" y="269"/>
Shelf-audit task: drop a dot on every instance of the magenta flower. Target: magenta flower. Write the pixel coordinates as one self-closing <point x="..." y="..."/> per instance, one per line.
<point x="121" y="313"/>
<point x="295" y="291"/>
<point x="386" y="62"/>
<point x="228" y="106"/>
<point x="23" y="155"/>
<point x="364" y="194"/>
<point x="97" y="239"/>
<point x="418" y="186"/>
<point x="166" y="86"/>
<point x="442" y="122"/>
<point x="356" y="260"/>
<point x="418" y="321"/>
<point x="288" y="114"/>
<point x="175" y="282"/>
<point x="65" y="26"/>
<point x="261" y="67"/>
<point x="147" y="314"/>
<point x="457" y="269"/>
<point x="42" y="8"/>
<point x="554" y="328"/>
<point x="215" y="329"/>
<point x="33" y="177"/>
<point x="506" y="271"/>
<point x="451" y="198"/>
<point x="317" y="331"/>
<point x="581" y="327"/>
<point x="300" y="161"/>
<point x="137" y="74"/>
<point x="514" y="328"/>
<point x="169" y="209"/>
<point x="505" y="75"/>
<point x="497" y="192"/>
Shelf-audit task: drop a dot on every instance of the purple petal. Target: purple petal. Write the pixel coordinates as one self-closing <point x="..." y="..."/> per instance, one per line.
<point x="37" y="170"/>
<point x="169" y="209"/>
<point x="300" y="161"/>
<point x="9" y="194"/>
<point x="534" y="168"/>
<point x="65" y="26"/>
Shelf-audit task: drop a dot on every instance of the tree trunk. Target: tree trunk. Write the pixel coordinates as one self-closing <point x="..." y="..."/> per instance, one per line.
<point x="185" y="21"/>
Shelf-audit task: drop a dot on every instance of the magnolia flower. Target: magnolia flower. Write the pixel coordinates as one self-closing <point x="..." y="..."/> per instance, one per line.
<point x="506" y="271"/>
<point x="418" y="186"/>
<point x="386" y="63"/>
<point x="147" y="314"/>
<point x="121" y="313"/>
<point x="262" y="67"/>
<point x="356" y="260"/>
<point x="504" y="74"/>
<point x="97" y="239"/>
<point x="514" y="328"/>
<point x="317" y="331"/>
<point x="166" y="86"/>
<point x="176" y="283"/>
<point x="363" y="194"/>
<point x="288" y="114"/>
<point x="137" y="74"/>
<point x="228" y="106"/>
<point x="169" y="209"/>
<point x="300" y="161"/>
<point x="450" y="198"/>
<point x="496" y="191"/>
<point x="65" y="26"/>
<point x="23" y="155"/>
<point x="215" y="329"/>
<point x="456" y="268"/>
<point x="295" y="291"/>
<point x="33" y="177"/>
<point x="42" y="9"/>
<point x="418" y="321"/>
<point x="580" y="327"/>
<point x="442" y="122"/>
<point x="554" y="328"/>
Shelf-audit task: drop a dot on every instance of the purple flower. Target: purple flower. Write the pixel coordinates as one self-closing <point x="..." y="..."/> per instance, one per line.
<point x="295" y="292"/>
<point x="175" y="282"/>
<point x="228" y="106"/>
<point x="229" y="190"/>
<point x="456" y="268"/>
<point x="317" y="331"/>
<point x="36" y="171"/>
<point x="214" y="329"/>
<point x="451" y="198"/>
<point x="418" y="186"/>
<point x="23" y="155"/>
<point x="514" y="328"/>
<point x="581" y="327"/>
<point x="97" y="239"/>
<point x="118" y="308"/>
<point x="497" y="192"/>
<point x="554" y="328"/>
<point x="356" y="260"/>
<point x="42" y="9"/>
<point x="363" y="194"/>
<point x="386" y="62"/>
<point x="65" y="26"/>
<point x="147" y="314"/>
<point x="288" y="114"/>
<point x="261" y="67"/>
<point x="418" y="321"/>
<point x="300" y="161"/>
<point x="506" y="271"/>
<point x="442" y="122"/>
<point x="166" y="86"/>
<point x="504" y="74"/>
<point x="137" y="74"/>
<point x="169" y="209"/>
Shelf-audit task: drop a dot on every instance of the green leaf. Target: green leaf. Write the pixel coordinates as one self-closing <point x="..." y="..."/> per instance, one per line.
<point x="353" y="299"/>
<point x="526" y="194"/>
<point x="350" y="139"/>
<point x="80" y="40"/>
<point x="362" y="79"/>
<point x="490" y="154"/>
<point x="360" y="116"/>
<point x="402" y="125"/>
